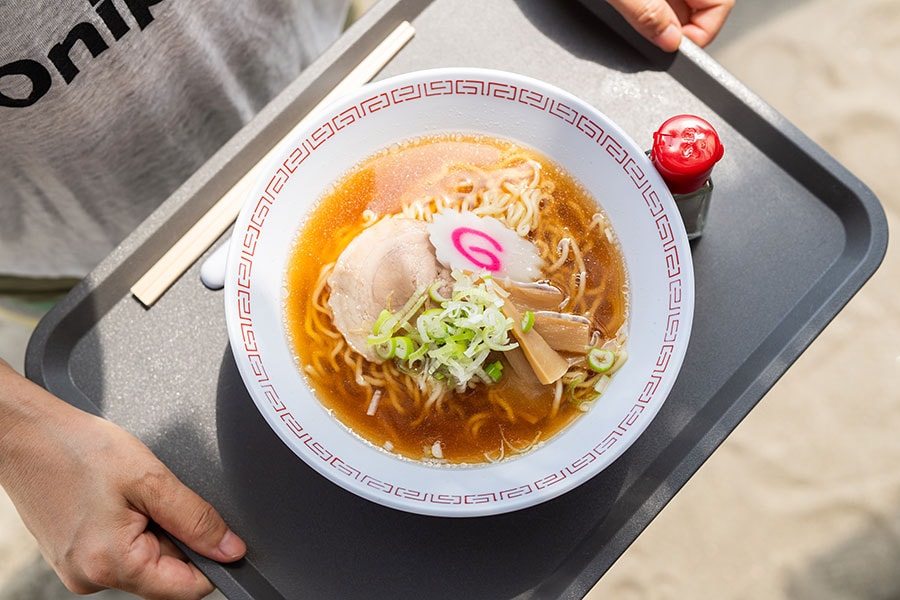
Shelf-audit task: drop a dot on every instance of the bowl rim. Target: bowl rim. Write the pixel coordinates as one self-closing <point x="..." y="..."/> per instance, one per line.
<point x="557" y="480"/>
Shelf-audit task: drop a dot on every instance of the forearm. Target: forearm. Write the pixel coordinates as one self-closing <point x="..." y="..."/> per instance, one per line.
<point x="26" y="408"/>
<point x="19" y="402"/>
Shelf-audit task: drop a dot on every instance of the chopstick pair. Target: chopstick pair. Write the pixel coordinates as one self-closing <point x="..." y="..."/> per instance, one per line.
<point x="185" y="252"/>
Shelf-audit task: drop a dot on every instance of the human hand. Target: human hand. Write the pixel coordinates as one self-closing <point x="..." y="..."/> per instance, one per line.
<point x="664" y="22"/>
<point x="90" y="492"/>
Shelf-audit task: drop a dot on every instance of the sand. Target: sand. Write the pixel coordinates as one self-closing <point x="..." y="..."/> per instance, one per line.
<point x="802" y="501"/>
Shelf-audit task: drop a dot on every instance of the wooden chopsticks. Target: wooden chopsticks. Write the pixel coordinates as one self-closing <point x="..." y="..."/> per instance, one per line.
<point x="185" y="252"/>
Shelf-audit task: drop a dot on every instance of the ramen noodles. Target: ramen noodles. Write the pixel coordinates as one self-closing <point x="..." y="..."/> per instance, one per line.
<point x="457" y="299"/>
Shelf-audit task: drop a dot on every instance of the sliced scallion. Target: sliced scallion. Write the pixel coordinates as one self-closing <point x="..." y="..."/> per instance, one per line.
<point x="386" y="349"/>
<point x="403" y="346"/>
<point x="601" y="360"/>
<point x="527" y="321"/>
<point x="434" y="292"/>
<point x="451" y="341"/>
<point x="494" y="370"/>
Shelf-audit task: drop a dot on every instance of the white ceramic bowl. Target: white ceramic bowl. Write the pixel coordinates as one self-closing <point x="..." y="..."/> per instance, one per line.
<point x="581" y="139"/>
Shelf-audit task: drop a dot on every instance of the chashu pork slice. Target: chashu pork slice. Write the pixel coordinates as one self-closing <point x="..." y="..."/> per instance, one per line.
<point x="381" y="268"/>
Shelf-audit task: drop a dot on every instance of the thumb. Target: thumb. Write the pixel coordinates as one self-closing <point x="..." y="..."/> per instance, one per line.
<point x="653" y="19"/>
<point x="192" y="520"/>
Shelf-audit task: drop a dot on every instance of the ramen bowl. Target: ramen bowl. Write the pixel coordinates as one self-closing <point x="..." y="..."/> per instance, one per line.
<point x="479" y="102"/>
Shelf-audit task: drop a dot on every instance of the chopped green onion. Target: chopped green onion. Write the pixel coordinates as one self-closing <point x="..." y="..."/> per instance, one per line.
<point x="403" y="346"/>
<point x="494" y="370"/>
<point x="601" y="360"/>
<point x="450" y="342"/>
<point x="386" y="325"/>
<point x="387" y="349"/>
<point x="527" y="321"/>
<point x="416" y="354"/>
<point x="434" y="292"/>
<point x="573" y="384"/>
<point x="382" y="317"/>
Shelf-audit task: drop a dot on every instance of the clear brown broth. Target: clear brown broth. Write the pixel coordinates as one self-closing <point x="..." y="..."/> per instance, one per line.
<point x="381" y="184"/>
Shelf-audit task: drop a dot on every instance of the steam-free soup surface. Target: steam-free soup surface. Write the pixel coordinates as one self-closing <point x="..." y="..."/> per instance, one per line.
<point x="485" y="422"/>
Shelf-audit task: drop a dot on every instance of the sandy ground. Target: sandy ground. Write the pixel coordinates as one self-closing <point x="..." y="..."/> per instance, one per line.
<point x="814" y="512"/>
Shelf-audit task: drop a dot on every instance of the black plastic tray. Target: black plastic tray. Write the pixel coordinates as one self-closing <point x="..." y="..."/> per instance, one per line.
<point x="791" y="237"/>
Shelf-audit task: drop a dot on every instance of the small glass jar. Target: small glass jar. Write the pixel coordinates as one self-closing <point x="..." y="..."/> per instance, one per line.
<point x="685" y="150"/>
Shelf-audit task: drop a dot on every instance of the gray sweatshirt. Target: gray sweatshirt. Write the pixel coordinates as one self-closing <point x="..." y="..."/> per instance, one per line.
<point x="106" y="106"/>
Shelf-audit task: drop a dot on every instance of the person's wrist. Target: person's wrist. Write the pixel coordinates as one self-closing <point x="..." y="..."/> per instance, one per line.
<point x="11" y="411"/>
<point x="21" y="404"/>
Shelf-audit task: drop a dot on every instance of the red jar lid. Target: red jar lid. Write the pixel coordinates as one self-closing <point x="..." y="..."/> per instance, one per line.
<point x="685" y="150"/>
